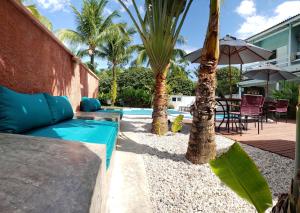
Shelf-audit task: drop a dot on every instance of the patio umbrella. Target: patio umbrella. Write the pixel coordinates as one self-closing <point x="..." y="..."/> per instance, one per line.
<point x="269" y="73"/>
<point x="234" y="51"/>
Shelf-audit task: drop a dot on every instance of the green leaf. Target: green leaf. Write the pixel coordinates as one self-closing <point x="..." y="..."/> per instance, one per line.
<point x="177" y="124"/>
<point x="238" y="171"/>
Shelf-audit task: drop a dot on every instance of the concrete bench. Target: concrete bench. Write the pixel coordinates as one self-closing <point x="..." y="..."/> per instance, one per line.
<point x="51" y="175"/>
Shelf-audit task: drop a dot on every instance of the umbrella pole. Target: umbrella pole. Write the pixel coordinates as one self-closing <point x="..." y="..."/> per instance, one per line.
<point x="230" y="88"/>
<point x="268" y="79"/>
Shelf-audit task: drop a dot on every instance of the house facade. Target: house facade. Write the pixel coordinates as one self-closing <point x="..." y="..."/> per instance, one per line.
<point x="283" y="40"/>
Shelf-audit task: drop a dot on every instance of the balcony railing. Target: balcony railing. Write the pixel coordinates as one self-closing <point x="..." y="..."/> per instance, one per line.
<point x="281" y="62"/>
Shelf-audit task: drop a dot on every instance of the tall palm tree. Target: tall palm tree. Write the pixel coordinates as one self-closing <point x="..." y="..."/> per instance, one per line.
<point x="91" y="29"/>
<point x="202" y="146"/>
<point x="142" y="57"/>
<point x="117" y="50"/>
<point x="34" y="11"/>
<point x="159" y="30"/>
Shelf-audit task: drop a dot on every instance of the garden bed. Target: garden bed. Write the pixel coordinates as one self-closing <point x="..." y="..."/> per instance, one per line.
<point x="176" y="185"/>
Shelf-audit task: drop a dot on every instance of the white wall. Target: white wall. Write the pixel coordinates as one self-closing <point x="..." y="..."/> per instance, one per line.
<point x="181" y="100"/>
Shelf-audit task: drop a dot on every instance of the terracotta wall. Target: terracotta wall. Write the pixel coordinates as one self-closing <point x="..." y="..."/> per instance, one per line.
<point x="33" y="60"/>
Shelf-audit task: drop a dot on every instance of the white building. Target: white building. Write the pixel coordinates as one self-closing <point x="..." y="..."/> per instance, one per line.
<point x="181" y="101"/>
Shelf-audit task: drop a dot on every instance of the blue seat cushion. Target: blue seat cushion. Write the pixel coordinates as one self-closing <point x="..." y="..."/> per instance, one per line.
<point x="60" y="108"/>
<point x="89" y="104"/>
<point x="89" y="131"/>
<point x="21" y="112"/>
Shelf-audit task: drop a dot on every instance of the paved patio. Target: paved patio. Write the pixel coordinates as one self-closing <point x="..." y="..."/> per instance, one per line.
<point x="277" y="138"/>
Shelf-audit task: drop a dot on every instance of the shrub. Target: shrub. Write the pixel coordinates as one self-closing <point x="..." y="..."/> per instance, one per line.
<point x="135" y="97"/>
<point x="289" y="90"/>
<point x="177" y="124"/>
<point x="171" y="106"/>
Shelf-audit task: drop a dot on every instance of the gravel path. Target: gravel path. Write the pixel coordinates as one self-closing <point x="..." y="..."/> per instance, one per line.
<point x="176" y="185"/>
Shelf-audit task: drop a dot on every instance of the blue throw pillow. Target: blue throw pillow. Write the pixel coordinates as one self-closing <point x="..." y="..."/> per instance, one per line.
<point x="60" y="108"/>
<point x="22" y="112"/>
<point x="89" y="104"/>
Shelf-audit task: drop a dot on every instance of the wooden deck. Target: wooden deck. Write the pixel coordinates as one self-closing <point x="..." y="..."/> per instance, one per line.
<point x="277" y="138"/>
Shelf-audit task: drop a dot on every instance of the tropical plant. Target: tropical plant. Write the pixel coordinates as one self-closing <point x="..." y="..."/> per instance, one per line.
<point x="177" y="124"/>
<point x="159" y="30"/>
<point x="223" y="85"/>
<point x="117" y="50"/>
<point x="180" y="83"/>
<point x="202" y="146"/>
<point x="234" y="169"/>
<point x="289" y="90"/>
<point x="91" y="30"/>
<point x="290" y="203"/>
<point x="34" y="11"/>
<point x="132" y="97"/>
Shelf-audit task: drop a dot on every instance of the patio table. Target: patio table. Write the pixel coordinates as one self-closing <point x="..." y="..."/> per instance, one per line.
<point x="226" y="104"/>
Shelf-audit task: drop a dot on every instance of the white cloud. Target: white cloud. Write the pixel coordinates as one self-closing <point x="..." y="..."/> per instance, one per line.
<point x="246" y="8"/>
<point x="188" y="49"/>
<point x="54" y="5"/>
<point x="255" y="23"/>
<point x="142" y="10"/>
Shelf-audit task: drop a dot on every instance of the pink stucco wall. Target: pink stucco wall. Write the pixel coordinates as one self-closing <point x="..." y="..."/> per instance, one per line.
<point x="33" y="60"/>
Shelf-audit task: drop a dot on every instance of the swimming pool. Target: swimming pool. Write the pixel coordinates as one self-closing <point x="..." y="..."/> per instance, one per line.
<point x="147" y="112"/>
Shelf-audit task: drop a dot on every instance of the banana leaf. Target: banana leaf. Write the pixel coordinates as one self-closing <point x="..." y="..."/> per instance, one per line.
<point x="238" y="171"/>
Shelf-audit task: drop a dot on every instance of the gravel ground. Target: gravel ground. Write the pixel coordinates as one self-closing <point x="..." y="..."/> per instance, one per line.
<point x="176" y="185"/>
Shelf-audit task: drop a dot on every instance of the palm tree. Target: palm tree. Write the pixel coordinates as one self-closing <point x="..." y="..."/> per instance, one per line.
<point x="91" y="29"/>
<point x="175" y="61"/>
<point x="202" y="146"/>
<point x="159" y="31"/>
<point x="34" y="11"/>
<point x="117" y="51"/>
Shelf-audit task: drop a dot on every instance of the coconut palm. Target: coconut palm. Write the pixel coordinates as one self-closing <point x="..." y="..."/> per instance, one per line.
<point x="159" y="30"/>
<point x="91" y="28"/>
<point x="117" y="50"/>
<point x="202" y="147"/>
<point x="34" y="11"/>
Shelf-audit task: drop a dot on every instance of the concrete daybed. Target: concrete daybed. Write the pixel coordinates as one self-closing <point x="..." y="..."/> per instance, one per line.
<point x="44" y="116"/>
<point x="51" y="175"/>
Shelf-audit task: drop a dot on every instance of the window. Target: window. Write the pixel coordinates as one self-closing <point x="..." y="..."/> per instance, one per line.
<point x="174" y="99"/>
<point x="179" y="99"/>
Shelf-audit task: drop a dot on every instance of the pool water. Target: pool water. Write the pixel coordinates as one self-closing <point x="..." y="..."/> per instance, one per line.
<point x="148" y="112"/>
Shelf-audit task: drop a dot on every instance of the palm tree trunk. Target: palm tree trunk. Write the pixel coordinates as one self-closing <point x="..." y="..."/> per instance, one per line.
<point x="160" y="104"/>
<point x="114" y="85"/>
<point x="202" y="146"/>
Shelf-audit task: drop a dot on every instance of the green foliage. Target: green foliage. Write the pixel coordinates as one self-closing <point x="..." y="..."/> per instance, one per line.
<point x="135" y="97"/>
<point x="34" y="11"/>
<point x="137" y="78"/>
<point x="180" y="83"/>
<point x="223" y="80"/>
<point x="238" y="171"/>
<point x="91" y="28"/>
<point x="159" y="29"/>
<point x="114" y="88"/>
<point x="177" y="124"/>
<point x="289" y="90"/>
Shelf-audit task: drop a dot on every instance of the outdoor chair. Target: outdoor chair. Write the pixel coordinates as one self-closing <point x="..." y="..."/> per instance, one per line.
<point x="250" y="108"/>
<point x="281" y="108"/>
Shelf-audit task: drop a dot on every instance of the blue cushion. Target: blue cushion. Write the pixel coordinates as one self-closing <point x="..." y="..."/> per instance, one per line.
<point x="21" y="112"/>
<point x="60" y="108"/>
<point x="89" y="131"/>
<point x="89" y="104"/>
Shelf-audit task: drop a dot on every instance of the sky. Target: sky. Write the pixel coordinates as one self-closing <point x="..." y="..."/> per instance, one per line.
<point x="240" y="18"/>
